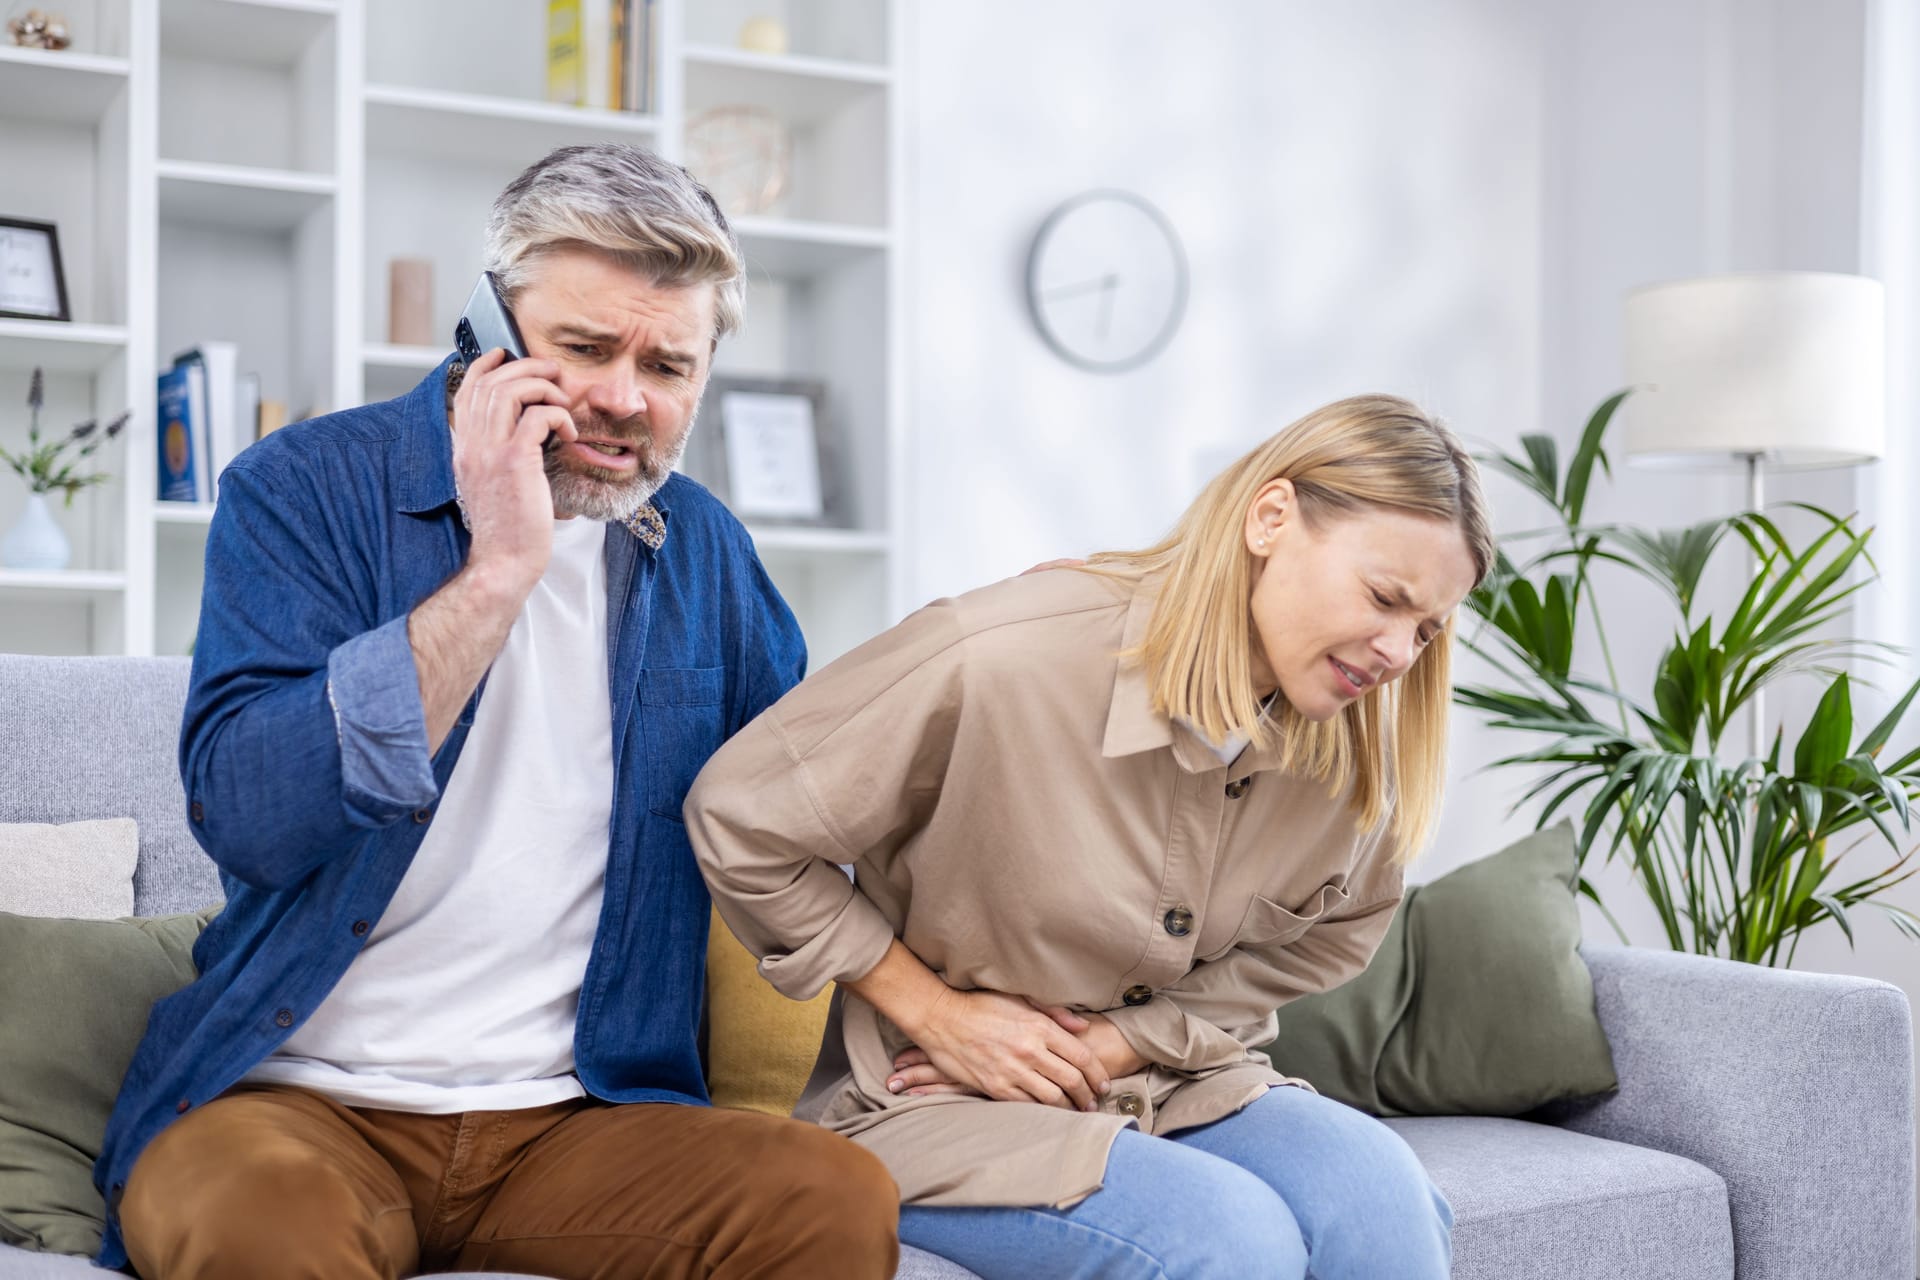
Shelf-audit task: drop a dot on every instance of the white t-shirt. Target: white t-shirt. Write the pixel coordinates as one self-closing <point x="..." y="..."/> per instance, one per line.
<point x="465" y="995"/>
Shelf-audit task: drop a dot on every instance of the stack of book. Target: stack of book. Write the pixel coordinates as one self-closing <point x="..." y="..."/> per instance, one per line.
<point x="600" y="53"/>
<point x="208" y="413"/>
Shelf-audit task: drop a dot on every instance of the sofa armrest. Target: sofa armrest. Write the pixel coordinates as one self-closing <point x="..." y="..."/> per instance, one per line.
<point x="1797" y="1088"/>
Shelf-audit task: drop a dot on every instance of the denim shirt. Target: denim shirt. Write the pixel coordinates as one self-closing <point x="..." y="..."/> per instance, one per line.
<point x="308" y="780"/>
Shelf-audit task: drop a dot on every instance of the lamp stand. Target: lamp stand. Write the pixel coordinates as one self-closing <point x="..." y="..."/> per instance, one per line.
<point x="1756" y="498"/>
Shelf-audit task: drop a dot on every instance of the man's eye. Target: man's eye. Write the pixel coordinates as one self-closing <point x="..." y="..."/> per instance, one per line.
<point x="1382" y="601"/>
<point x="582" y="349"/>
<point x="669" y="370"/>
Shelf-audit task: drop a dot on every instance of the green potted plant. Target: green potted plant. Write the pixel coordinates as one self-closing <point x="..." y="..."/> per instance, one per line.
<point x="37" y="541"/>
<point x="1739" y="854"/>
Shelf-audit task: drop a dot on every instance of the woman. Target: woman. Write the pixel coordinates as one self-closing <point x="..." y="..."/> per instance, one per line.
<point x="1104" y="821"/>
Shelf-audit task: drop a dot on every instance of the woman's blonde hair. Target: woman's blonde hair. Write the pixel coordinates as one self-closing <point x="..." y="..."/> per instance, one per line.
<point x="1389" y="746"/>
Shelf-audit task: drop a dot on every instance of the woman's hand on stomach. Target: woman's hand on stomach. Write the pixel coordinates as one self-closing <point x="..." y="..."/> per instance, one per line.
<point x="916" y="1073"/>
<point x="999" y="1046"/>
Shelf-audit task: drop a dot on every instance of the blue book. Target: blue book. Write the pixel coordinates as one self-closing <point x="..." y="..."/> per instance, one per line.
<point x="180" y="463"/>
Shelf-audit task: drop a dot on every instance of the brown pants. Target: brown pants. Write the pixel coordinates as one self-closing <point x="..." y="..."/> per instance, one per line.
<point x="268" y="1182"/>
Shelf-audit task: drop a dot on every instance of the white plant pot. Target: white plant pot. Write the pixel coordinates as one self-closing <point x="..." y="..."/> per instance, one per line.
<point x="36" y="540"/>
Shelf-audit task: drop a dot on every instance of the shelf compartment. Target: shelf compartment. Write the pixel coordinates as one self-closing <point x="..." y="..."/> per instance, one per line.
<point x="183" y="513"/>
<point x="387" y="355"/>
<point x="793" y="248"/>
<point x="467" y="126"/>
<point x="70" y="585"/>
<point x="801" y="540"/>
<point x="222" y="195"/>
<point x="58" y="88"/>
<point x="801" y="90"/>
<point x="268" y="33"/>
<point x="60" y="347"/>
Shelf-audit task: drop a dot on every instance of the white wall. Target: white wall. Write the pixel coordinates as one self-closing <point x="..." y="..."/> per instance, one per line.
<point x="1358" y="189"/>
<point x="1442" y="199"/>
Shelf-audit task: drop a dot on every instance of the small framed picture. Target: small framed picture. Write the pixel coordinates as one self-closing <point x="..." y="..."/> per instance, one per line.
<point x="32" y="285"/>
<point x="768" y="450"/>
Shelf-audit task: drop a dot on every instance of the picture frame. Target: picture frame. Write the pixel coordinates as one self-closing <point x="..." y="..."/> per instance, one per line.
<point x="33" y="282"/>
<point x="766" y="448"/>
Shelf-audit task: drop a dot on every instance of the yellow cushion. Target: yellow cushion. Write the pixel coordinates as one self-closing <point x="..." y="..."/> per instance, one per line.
<point x="760" y="1045"/>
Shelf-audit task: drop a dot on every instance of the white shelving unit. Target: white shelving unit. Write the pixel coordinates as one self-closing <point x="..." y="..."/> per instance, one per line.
<point x="247" y="169"/>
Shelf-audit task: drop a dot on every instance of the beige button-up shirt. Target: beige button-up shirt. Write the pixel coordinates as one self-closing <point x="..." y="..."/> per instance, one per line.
<point x="1019" y="815"/>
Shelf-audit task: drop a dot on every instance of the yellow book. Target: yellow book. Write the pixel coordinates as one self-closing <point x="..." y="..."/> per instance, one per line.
<point x="619" y="92"/>
<point x="566" y="53"/>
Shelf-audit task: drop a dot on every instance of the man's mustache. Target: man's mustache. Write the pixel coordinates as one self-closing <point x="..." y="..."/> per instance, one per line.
<point x="627" y="431"/>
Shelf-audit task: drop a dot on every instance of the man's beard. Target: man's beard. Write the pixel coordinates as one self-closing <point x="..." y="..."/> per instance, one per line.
<point x="603" y="494"/>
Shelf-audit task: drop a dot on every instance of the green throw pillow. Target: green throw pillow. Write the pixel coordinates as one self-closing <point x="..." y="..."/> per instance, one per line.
<point x="74" y="998"/>
<point x="1477" y="1002"/>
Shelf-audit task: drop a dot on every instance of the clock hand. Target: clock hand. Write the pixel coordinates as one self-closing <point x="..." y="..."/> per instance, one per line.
<point x="1096" y="284"/>
<point x="1106" y="304"/>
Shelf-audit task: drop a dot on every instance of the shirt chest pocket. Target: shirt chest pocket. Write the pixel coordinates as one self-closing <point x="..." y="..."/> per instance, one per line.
<point x="682" y="718"/>
<point x="1268" y="924"/>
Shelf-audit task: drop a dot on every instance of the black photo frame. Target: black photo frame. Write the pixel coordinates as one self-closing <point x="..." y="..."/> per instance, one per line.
<point x="33" y="282"/>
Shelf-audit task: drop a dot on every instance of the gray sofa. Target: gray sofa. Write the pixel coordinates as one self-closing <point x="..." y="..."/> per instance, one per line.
<point x="1763" y="1127"/>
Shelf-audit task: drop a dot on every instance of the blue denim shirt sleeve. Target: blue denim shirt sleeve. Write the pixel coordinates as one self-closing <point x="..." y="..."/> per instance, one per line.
<point x="274" y="789"/>
<point x="373" y="687"/>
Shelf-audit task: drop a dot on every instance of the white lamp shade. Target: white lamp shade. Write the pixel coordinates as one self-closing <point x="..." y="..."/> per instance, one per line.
<point x="1789" y="365"/>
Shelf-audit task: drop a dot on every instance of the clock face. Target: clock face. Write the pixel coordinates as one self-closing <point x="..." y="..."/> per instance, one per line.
<point x="1107" y="281"/>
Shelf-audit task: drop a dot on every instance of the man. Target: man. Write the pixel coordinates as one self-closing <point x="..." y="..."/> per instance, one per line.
<point x="449" y="1017"/>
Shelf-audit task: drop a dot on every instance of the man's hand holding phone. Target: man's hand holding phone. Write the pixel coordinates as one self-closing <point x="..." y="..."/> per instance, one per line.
<point x="503" y="414"/>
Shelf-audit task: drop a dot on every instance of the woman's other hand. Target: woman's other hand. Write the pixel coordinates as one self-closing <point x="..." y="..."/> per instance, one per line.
<point x="1001" y="1047"/>
<point x="1097" y="1032"/>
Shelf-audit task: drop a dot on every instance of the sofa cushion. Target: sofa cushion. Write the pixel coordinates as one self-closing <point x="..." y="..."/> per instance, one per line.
<point x="1535" y="1200"/>
<point x="1476" y="1003"/>
<point x="100" y="738"/>
<point x="760" y="1044"/>
<point x="80" y="870"/>
<point x="74" y="999"/>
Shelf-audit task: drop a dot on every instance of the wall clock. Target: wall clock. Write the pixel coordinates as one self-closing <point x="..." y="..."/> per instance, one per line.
<point x="1106" y="281"/>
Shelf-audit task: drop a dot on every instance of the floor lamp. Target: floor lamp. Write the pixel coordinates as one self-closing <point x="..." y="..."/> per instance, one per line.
<point x="1779" y="369"/>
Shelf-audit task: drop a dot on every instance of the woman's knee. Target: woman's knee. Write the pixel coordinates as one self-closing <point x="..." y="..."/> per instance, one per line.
<point x="1386" y="1204"/>
<point x="1353" y="1183"/>
<point x="1241" y="1228"/>
<point x="1202" y="1216"/>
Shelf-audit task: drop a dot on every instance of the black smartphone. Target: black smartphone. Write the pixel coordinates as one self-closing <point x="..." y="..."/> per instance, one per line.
<point x="486" y="324"/>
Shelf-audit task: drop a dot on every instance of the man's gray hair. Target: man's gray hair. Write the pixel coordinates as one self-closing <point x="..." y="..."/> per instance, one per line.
<point x="623" y="200"/>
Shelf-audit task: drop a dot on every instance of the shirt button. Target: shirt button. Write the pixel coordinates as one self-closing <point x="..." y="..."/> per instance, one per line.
<point x="1179" y="922"/>
<point x="180" y="1107"/>
<point x="1137" y="995"/>
<point x="199" y="814"/>
<point x="284" y="1018"/>
<point x="360" y="928"/>
<point x="421" y="815"/>
<point x="1238" y="787"/>
<point x="1129" y="1104"/>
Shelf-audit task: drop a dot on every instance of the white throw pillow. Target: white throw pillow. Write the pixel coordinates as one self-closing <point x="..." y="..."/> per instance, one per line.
<point x="72" y="870"/>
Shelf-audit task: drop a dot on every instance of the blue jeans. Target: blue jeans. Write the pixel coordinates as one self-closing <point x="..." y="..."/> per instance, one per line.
<point x="1295" y="1184"/>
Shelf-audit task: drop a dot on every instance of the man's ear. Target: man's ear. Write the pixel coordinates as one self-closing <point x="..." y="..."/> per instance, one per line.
<point x="1272" y="509"/>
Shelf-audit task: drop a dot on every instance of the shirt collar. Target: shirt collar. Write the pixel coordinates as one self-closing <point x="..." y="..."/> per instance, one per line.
<point x="429" y="484"/>
<point x="1133" y="725"/>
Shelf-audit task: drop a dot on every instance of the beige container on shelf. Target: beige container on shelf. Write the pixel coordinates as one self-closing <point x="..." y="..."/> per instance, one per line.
<point x="410" y="302"/>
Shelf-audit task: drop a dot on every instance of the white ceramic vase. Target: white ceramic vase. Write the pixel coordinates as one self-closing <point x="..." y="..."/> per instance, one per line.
<point x="36" y="540"/>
